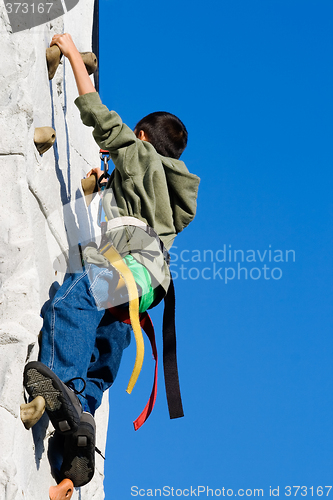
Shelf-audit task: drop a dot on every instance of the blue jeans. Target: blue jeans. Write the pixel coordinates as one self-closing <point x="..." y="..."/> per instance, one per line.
<point x="82" y="339"/>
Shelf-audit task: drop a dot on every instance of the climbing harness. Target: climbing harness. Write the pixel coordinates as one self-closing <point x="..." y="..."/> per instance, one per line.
<point x="133" y="221"/>
<point x="142" y="321"/>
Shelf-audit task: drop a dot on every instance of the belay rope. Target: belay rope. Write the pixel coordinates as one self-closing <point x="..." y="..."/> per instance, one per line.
<point x="143" y="321"/>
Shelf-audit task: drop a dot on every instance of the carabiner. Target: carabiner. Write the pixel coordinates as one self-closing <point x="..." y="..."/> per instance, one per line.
<point x="105" y="157"/>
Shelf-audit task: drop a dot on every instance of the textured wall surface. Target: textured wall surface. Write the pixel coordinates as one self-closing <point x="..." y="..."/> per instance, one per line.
<point x="40" y="209"/>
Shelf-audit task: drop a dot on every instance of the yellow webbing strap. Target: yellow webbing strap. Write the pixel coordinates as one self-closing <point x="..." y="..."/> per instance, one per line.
<point x="117" y="262"/>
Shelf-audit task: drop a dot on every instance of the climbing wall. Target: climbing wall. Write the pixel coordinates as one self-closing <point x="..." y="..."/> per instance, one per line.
<point x="41" y="214"/>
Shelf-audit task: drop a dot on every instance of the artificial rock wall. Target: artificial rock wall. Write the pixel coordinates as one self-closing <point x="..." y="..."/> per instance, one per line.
<point x="41" y="209"/>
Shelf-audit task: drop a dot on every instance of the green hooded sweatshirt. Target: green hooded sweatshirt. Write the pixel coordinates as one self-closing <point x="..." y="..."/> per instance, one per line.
<point x="159" y="191"/>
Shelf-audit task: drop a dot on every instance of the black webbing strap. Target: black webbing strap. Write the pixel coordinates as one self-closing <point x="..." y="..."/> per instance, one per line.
<point x="170" y="355"/>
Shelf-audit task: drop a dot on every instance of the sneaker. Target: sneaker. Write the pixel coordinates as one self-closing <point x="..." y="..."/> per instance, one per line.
<point x="61" y="404"/>
<point x="79" y="452"/>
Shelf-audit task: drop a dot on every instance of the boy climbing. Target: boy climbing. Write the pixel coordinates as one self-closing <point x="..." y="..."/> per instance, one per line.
<point x="149" y="198"/>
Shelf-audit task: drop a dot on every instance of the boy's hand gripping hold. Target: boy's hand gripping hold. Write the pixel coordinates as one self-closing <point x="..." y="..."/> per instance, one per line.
<point x="68" y="48"/>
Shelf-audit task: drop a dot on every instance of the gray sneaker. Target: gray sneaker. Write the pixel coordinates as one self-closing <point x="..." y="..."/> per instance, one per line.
<point x="61" y="403"/>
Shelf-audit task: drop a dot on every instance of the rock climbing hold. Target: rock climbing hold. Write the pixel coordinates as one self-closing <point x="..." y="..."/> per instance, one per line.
<point x="32" y="412"/>
<point x="90" y="188"/>
<point x="53" y="56"/>
<point x="63" y="490"/>
<point x="90" y="61"/>
<point x="44" y="138"/>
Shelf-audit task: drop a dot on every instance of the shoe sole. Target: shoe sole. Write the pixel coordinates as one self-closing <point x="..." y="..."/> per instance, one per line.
<point x="79" y="461"/>
<point x="40" y="381"/>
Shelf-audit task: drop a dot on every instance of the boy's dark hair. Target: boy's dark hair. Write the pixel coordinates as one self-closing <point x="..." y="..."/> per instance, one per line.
<point x="165" y="132"/>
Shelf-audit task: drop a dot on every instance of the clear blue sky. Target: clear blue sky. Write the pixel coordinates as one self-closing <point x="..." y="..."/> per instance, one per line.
<point x="252" y="81"/>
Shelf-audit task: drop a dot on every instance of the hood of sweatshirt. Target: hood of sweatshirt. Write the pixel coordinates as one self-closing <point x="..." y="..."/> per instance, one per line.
<point x="183" y="191"/>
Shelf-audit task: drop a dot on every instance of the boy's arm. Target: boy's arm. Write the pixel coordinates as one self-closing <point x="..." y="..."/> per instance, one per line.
<point x="68" y="48"/>
<point x="110" y="132"/>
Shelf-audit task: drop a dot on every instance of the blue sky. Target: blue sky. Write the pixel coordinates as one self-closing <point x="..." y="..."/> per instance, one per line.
<point x="252" y="81"/>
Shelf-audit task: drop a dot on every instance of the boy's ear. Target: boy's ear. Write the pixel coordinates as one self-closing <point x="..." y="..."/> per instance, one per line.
<point x="142" y="136"/>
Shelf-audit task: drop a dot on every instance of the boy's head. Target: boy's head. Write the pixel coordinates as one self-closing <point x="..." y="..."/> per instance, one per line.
<point x="165" y="132"/>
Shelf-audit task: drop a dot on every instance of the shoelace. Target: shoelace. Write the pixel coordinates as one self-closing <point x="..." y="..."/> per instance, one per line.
<point x="72" y="386"/>
<point x="99" y="452"/>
